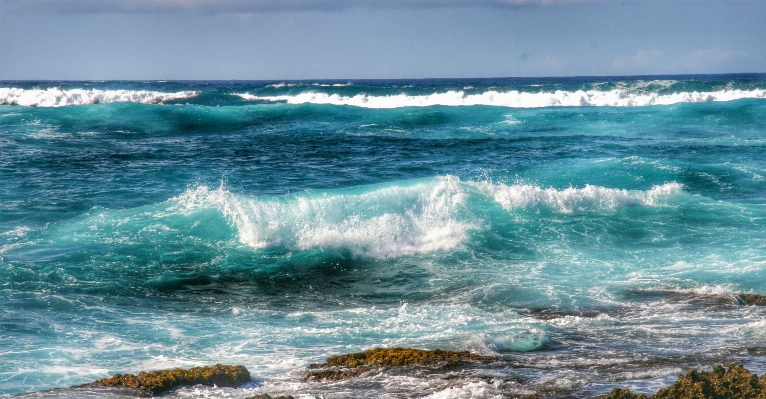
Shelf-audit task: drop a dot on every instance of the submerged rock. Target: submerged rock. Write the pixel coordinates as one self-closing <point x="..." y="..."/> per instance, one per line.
<point x="734" y="383"/>
<point x="355" y="364"/>
<point x="267" y="396"/>
<point x="698" y="299"/>
<point x="155" y="382"/>
<point x="551" y="314"/>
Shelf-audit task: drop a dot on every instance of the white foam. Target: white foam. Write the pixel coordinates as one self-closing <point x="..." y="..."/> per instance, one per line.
<point x="19" y="231"/>
<point x="298" y="84"/>
<point x="55" y="97"/>
<point x="576" y="199"/>
<point x="469" y="391"/>
<point x="515" y="99"/>
<point x="711" y="290"/>
<point x="382" y="222"/>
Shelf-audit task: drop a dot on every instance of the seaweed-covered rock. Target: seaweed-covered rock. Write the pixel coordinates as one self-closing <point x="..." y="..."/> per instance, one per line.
<point x="334" y="374"/>
<point x="753" y="299"/>
<point x="619" y="393"/>
<point x="734" y="383"/>
<point x="354" y="364"/>
<point x="155" y="382"/>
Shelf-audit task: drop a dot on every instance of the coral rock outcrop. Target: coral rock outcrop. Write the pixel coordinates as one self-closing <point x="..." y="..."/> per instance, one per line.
<point x="354" y="364"/>
<point x="159" y="381"/>
<point x="734" y="383"/>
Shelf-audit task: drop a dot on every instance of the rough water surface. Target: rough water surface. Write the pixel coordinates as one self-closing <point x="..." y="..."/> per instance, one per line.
<point x="584" y="233"/>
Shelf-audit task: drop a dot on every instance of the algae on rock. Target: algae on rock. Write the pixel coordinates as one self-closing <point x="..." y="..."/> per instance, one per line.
<point x="158" y="381"/>
<point x="753" y="299"/>
<point x="354" y="364"/>
<point x="734" y="383"/>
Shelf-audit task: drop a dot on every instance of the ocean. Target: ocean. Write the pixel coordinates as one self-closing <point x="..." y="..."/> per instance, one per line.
<point x="593" y="232"/>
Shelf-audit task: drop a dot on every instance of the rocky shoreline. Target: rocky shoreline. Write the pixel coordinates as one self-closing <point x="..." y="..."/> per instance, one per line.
<point x="736" y="382"/>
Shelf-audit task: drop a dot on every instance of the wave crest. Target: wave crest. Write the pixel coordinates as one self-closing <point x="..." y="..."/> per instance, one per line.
<point x="572" y="199"/>
<point x="514" y="99"/>
<point x="55" y="97"/>
<point x="385" y="222"/>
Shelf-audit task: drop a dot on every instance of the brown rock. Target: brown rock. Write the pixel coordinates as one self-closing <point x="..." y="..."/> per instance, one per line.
<point x="155" y="382"/>
<point x="355" y="364"/>
<point x="753" y="299"/>
<point x="734" y="383"/>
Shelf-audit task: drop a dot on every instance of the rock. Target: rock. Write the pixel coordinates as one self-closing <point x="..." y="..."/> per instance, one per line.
<point x="698" y="299"/>
<point x="155" y="382"/>
<point x="618" y="393"/>
<point x="734" y="383"/>
<point x="267" y="396"/>
<point x="551" y="314"/>
<point x="753" y="299"/>
<point x="334" y="375"/>
<point x="355" y="364"/>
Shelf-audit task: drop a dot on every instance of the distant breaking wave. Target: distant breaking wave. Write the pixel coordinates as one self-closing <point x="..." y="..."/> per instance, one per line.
<point x="515" y="99"/>
<point x="55" y="97"/>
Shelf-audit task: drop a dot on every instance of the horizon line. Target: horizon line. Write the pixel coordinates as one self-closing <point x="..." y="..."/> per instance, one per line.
<point x="379" y="79"/>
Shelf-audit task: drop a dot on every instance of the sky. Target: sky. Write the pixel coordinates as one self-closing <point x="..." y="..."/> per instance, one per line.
<point x="376" y="39"/>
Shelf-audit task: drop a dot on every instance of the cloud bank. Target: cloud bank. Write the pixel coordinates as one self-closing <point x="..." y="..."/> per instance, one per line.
<point x="249" y="6"/>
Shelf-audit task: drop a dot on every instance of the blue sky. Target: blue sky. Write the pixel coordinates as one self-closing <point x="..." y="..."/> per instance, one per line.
<point x="352" y="39"/>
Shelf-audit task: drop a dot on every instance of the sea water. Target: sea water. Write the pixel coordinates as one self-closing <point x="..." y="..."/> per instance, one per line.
<point x="594" y="232"/>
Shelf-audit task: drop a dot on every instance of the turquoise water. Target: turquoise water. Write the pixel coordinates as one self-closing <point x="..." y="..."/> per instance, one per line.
<point x="594" y="231"/>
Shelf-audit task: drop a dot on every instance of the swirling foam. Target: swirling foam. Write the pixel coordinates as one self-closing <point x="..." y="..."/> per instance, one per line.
<point x="384" y="222"/>
<point x="55" y="97"/>
<point x="472" y="390"/>
<point x="514" y="99"/>
<point x="573" y="199"/>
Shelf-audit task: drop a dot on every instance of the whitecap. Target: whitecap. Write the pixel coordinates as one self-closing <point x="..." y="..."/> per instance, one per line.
<point x="56" y="97"/>
<point x="572" y="199"/>
<point x="514" y="98"/>
<point x="379" y="222"/>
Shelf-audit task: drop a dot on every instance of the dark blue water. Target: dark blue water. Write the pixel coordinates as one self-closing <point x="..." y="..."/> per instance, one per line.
<point x="148" y="225"/>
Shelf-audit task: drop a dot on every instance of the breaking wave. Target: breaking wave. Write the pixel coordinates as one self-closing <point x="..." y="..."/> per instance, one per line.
<point x="55" y="97"/>
<point x="402" y="219"/>
<point x="514" y="99"/>
<point x="577" y="199"/>
<point x="383" y="222"/>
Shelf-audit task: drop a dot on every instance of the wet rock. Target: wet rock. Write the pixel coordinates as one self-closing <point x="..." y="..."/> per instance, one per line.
<point x="551" y="314"/>
<point x="267" y="396"/>
<point x="696" y="299"/>
<point x="156" y="382"/>
<point x="618" y="393"/>
<point x="334" y="375"/>
<point x="734" y="383"/>
<point x="686" y="297"/>
<point x="753" y="299"/>
<point x="355" y="364"/>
